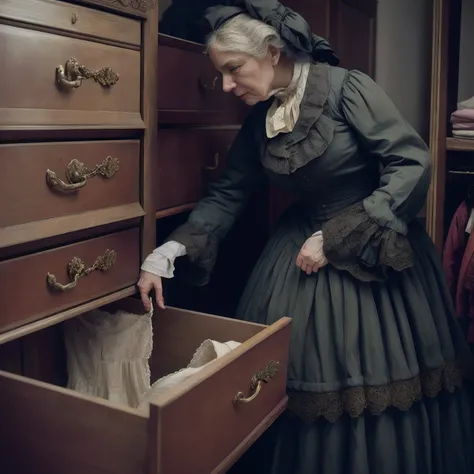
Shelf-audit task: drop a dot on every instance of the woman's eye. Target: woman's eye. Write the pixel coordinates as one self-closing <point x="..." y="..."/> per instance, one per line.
<point x="234" y="69"/>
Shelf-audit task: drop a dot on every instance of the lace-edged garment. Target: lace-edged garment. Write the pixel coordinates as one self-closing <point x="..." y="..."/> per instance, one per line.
<point x="107" y="355"/>
<point x="355" y="242"/>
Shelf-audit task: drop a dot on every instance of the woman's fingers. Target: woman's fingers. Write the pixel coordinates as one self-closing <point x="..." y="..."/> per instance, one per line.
<point x="159" y="295"/>
<point x="146" y="283"/>
<point x="144" y="295"/>
<point x="306" y="263"/>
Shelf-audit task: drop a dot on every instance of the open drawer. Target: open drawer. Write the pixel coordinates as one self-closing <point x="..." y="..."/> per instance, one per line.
<point x="194" y="428"/>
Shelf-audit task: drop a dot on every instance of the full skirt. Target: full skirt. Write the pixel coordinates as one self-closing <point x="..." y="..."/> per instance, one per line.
<point x="375" y="371"/>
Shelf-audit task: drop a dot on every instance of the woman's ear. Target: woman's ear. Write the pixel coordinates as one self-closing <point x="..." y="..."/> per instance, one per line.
<point x="274" y="55"/>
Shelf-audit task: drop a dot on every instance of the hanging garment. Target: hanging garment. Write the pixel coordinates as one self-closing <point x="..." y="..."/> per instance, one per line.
<point x="458" y="264"/>
<point x="454" y="248"/>
<point x="107" y="355"/>
<point x="464" y="302"/>
<point x="207" y="352"/>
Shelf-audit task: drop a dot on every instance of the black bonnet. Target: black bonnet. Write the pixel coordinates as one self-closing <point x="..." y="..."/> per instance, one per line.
<point x="291" y="26"/>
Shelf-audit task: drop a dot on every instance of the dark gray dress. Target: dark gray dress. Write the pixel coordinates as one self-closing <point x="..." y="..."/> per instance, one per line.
<point x="377" y="361"/>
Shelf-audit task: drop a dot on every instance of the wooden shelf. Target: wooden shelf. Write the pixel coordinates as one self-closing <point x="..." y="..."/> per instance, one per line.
<point x="459" y="144"/>
<point x="175" y="210"/>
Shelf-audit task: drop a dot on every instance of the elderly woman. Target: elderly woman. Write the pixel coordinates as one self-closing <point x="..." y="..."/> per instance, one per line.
<point x="376" y="369"/>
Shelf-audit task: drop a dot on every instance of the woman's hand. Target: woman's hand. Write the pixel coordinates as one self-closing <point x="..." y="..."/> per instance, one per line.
<point x="148" y="282"/>
<point x="311" y="257"/>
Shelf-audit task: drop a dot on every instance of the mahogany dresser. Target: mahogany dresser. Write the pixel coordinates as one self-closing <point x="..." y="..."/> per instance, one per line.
<point x="109" y="134"/>
<point x="87" y="176"/>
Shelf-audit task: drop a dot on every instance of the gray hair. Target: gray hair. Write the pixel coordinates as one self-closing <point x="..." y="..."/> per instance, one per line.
<point x="244" y="34"/>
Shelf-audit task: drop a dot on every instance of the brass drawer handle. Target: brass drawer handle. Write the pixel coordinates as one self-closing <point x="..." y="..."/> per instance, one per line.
<point x="77" y="269"/>
<point x="215" y="165"/>
<point x="77" y="174"/>
<point x="261" y="377"/>
<point x="71" y="75"/>
<point x="204" y="87"/>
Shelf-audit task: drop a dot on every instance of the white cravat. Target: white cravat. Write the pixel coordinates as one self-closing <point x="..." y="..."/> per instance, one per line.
<point x="285" y="109"/>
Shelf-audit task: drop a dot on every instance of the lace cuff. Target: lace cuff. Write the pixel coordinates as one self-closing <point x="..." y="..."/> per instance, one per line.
<point x="354" y="242"/>
<point x="161" y="261"/>
<point x="201" y="248"/>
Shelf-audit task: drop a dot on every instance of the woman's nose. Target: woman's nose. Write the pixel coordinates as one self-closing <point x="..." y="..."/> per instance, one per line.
<point x="227" y="84"/>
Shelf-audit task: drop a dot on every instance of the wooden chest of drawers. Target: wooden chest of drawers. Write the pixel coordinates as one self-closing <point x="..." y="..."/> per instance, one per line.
<point x="80" y="186"/>
<point x="79" y="89"/>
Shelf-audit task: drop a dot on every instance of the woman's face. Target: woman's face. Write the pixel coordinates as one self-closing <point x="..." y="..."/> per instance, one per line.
<point x="247" y="77"/>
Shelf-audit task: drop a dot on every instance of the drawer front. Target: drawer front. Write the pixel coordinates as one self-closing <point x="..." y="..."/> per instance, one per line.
<point x="47" y="180"/>
<point x="35" y="92"/>
<point x="30" y="286"/>
<point x="67" y="432"/>
<point x="188" y="81"/>
<point x="189" y="160"/>
<point x="73" y="18"/>
<point x="202" y="418"/>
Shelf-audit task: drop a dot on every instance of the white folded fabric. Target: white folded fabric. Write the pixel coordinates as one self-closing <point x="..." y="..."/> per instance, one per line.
<point x="207" y="352"/>
<point x="463" y="133"/>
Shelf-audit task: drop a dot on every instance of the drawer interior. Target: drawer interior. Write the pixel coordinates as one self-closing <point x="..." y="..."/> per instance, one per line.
<point x="47" y="428"/>
<point x="177" y="334"/>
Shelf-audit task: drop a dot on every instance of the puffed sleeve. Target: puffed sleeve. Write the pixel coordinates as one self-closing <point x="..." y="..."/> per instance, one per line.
<point x="369" y="238"/>
<point x="225" y="200"/>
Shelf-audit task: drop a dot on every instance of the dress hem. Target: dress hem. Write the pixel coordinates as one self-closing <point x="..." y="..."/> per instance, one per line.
<point x="402" y="394"/>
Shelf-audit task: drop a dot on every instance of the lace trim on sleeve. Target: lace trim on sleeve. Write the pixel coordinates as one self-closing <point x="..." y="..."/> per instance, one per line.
<point x="354" y="242"/>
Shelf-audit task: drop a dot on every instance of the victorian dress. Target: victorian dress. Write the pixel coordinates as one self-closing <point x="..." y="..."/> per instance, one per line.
<point x="378" y="365"/>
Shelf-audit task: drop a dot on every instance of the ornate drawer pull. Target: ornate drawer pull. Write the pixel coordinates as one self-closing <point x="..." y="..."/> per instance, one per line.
<point x="261" y="377"/>
<point x="215" y="165"/>
<point x="77" y="174"/>
<point x="205" y="87"/>
<point x="72" y="74"/>
<point x="77" y="269"/>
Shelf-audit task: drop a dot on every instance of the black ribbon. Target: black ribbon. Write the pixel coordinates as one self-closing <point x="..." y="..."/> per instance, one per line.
<point x="291" y="26"/>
